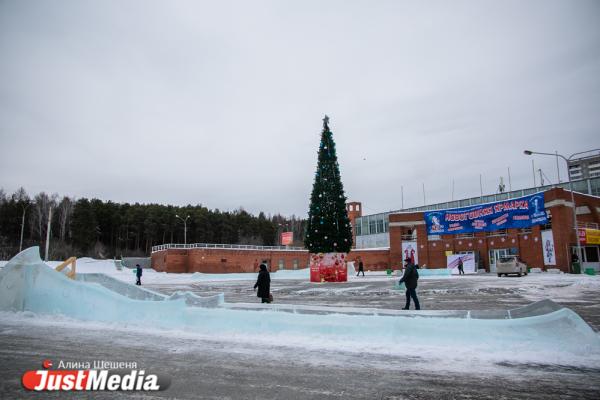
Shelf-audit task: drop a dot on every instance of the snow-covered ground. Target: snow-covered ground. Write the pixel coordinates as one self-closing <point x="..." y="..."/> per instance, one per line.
<point x="89" y="312"/>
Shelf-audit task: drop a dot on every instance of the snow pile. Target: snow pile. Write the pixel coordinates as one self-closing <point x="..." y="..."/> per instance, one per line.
<point x="194" y="300"/>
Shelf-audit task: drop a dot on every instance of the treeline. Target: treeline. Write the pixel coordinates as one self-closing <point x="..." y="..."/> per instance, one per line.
<point x="100" y="229"/>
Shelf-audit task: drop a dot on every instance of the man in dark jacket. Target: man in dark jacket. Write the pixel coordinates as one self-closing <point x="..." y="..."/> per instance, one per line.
<point x="461" y="271"/>
<point x="138" y="274"/>
<point x="410" y="278"/>
<point x="263" y="283"/>
<point x="361" y="267"/>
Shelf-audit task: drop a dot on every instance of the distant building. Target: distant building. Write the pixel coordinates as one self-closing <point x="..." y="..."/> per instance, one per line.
<point x="584" y="168"/>
<point x="397" y="230"/>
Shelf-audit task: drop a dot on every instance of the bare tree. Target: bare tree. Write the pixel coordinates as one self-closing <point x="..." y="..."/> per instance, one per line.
<point x="65" y="209"/>
<point x="39" y="218"/>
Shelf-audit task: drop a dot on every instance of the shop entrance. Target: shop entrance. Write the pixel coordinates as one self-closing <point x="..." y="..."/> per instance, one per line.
<point x="590" y="256"/>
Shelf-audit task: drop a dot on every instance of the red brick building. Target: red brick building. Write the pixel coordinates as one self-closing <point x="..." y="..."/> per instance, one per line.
<point x="488" y="246"/>
<point x="392" y="230"/>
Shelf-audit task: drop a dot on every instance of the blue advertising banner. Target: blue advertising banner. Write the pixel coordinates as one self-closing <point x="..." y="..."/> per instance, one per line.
<point x="523" y="212"/>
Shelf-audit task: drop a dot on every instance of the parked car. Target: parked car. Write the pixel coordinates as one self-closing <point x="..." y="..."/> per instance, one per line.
<point x="510" y="265"/>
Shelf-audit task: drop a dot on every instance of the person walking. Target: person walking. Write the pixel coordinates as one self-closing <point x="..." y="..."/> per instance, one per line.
<point x="410" y="277"/>
<point x="138" y="274"/>
<point x="263" y="283"/>
<point x="360" y="267"/>
<point x="461" y="271"/>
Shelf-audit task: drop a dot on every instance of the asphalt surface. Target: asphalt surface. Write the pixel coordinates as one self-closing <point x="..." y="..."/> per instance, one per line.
<point x="211" y="369"/>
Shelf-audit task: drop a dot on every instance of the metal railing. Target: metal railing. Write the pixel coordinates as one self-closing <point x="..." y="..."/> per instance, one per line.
<point x="223" y="246"/>
<point x="464" y="236"/>
<point x="589" y="225"/>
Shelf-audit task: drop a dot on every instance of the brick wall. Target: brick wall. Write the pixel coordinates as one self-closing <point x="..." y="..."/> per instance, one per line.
<point x="373" y="260"/>
<point x="226" y="260"/>
<point x="234" y="260"/>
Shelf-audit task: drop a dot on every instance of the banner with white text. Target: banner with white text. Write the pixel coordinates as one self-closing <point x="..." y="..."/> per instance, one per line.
<point x="522" y="212"/>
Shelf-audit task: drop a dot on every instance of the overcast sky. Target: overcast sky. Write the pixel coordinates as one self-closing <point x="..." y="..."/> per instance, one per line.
<point x="221" y="102"/>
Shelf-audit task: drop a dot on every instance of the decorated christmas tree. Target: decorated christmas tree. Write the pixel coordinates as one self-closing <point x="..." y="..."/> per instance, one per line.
<point x="328" y="229"/>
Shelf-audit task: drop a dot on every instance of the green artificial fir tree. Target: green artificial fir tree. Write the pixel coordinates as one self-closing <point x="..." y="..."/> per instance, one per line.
<point x="328" y="227"/>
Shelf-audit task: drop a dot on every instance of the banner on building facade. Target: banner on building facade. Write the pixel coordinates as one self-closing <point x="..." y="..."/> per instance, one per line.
<point x="468" y="261"/>
<point x="409" y="250"/>
<point x="523" y="212"/>
<point x="548" y="247"/>
<point x="589" y="236"/>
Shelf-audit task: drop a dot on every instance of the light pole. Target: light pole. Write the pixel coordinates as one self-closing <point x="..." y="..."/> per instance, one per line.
<point x="25" y="207"/>
<point x="184" y="227"/>
<point x="529" y="152"/>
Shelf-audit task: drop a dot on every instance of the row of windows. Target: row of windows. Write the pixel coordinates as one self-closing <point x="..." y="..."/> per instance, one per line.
<point x="372" y="224"/>
<point x="295" y="263"/>
<point x="354" y="207"/>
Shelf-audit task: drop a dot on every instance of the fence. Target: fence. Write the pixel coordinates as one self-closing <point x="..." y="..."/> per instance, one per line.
<point x="223" y="246"/>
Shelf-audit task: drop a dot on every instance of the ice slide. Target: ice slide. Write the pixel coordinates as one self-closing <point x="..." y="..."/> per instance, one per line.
<point x="27" y="284"/>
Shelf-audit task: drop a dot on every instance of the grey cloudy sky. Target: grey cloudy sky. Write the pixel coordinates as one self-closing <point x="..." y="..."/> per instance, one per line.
<point x="220" y="102"/>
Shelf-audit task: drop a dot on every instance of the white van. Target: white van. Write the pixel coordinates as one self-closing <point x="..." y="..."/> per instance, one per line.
<point x="510" y="265"/>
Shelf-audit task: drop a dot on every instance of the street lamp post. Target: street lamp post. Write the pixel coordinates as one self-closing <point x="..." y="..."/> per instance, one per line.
<point x="184" y="227"/>
<point x="529" y="152"/>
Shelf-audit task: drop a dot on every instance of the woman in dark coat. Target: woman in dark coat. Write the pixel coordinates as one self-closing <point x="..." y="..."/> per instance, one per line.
<point x="263" y="283"/>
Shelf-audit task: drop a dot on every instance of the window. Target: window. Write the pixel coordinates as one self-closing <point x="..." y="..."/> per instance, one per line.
<point x="351" y="207"/>
<point x="372" y="225"/>
<point x="595" y="185"/>
<point x="295" y="263"/>
<point x="580" y="186"/>
<point x="434" y="237"/>
<point x="380" y="224"/>
<point x="591" y="254"/>
<point x="500" y="232"/>
<point x="358" y="207"/>
<point x="409" y="234"/>
<point x="281" y="263"/>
